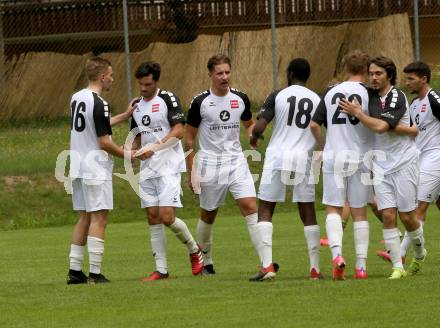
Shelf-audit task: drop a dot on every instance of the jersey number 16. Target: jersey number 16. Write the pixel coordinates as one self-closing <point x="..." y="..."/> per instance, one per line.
<point x="78" y="119"/>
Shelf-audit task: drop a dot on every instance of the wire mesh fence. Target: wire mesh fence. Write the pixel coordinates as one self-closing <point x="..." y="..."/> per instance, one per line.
<point x="85" y="27"/>
<point x="45" y="43"/>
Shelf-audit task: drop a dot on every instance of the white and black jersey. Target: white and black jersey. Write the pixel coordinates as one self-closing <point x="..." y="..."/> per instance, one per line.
<point x="398" y="151"/>
<point x="425" y="113"/>
<point x="347" y="140"/>
<point x="90" y="120"/>
<point x="292" y="110"/>
<point x="153" y="120"/>
<point x="218" y="120"/>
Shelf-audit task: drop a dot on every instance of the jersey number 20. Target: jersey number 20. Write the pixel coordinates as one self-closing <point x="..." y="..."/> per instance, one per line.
<point x="342" y="120"/>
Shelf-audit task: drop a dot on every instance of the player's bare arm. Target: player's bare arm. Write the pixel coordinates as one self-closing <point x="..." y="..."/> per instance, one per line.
<point x="402" y="129"/>
<point x="107" y="144"/>
<point x="125" y="115"/>
<point x="354" y="109"/>
<point x="315" y="128"/>
<point x="248" y="126"/>
<point x="171" y="139"/>
<point x="190" y="138"/>
<point x="257" y="132"/>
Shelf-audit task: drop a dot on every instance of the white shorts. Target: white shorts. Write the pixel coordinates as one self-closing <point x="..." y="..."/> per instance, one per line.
<point x="92" y="195"/>
<point x="428" y="188"/>
<point x="398" y="189"/>
<point x="339" y="189"/>
<point x="237" y="180"/>
<point x="161" y="191"/>
<point x="273" y="186"/>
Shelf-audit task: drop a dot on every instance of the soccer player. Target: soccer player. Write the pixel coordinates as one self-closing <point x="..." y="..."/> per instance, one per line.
<point x="396" y="172"/>
<point x="91" y="168"/>
<point x="290" y="150"/>
<point x="158" y="124"/>
<point x="215" y="115"/>
<point x="425" y="113"/>
<point x="346" y="143"/>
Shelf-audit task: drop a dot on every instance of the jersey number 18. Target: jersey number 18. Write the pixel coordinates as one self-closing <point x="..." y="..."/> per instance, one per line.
<point x="305" y="107"/>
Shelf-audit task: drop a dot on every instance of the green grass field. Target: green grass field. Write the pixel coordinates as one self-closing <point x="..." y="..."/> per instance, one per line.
<point x="34" y="293"/>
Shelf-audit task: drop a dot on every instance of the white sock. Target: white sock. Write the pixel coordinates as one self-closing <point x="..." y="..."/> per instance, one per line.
<point x="392" y="244"/>
<point x="312" y="235"/>
<point x="418" y="242"/>
<point x="333" y="226"/>
<point x="404" y="245"/>
<point x="181" y="231"/>
<point x="159" y="246"/>
<point x="251" y="221"/>
<point x="265" y="230"/>
<point x="76" y="257"/>
<point x="96" y="252"/>
<point x="361" y="231"/>
<point x="204" y="239"/>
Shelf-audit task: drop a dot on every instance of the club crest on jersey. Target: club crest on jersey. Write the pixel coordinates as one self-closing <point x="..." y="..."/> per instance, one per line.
<point x="224" y="115"/>
<point x="234" y="104"/>
<point x="146" y="120"/>
<point x="423" y="108"/>
<point x="155" y="108"/>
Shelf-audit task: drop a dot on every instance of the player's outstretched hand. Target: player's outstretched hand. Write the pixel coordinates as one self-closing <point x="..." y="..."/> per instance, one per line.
<point x="144" y="153"/>
<point x="253" y="142"/>
<point x="132" y="106"/>
<point x="352" y="108"/>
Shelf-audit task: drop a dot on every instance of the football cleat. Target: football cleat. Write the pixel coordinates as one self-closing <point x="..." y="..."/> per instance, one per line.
<point x="315" y="275"/>
<point x="156" y="275"/>
<point x="324" y="241"/>
<point x="76" y="277"/>
<point x="385" y="255"/>
<point x="196" y="259"/>
<point x="338" y="268"/>
<point x="208" y="270"/>
<point x="265" y="273"/>
<point x="416" y="264"/>
<point x="97" y="278"/>
<point x="397" y="274"/>
<point x="360" y="273"/>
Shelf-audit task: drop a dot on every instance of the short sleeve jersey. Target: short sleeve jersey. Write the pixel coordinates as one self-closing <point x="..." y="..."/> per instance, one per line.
<point x="90" y="120"/>
<point x="425" y="113"/>
<point x="347" y="140"/>
<point x="291" y="142"/>
<point x="398" y="151"/>
<point x="153" y="120"/>
<point x="218" y="120"/>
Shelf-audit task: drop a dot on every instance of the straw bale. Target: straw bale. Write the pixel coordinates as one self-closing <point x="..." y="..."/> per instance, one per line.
<point x="40" y="84"/>
<point x="389" y="36"/>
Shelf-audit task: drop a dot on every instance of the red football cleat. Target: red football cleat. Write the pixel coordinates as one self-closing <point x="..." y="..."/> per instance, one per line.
<point x="384" y="255"/>
<point x="339" y="268"/>
<point x="156" y="275"/>
<point x="196" y="259"/>
<point x="324" y="241"/>
<point x="360" y="274"/>
<point x="315" y="275"/>
<point x="265" y="273"/>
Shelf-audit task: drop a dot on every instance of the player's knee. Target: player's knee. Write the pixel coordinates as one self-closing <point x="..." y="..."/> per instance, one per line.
<point x="388" y="217"/>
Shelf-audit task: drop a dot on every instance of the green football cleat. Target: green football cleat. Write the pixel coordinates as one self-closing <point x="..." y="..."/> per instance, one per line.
<point x="416" y="264"/>
<point x="397" y="273"/>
